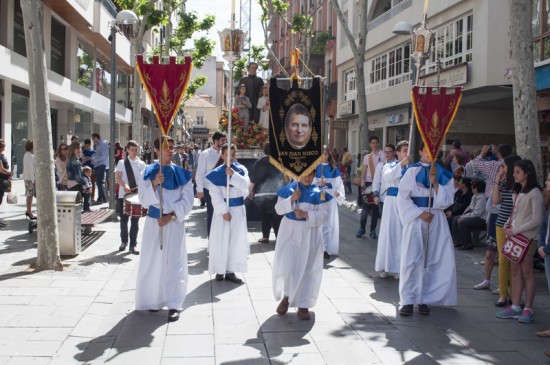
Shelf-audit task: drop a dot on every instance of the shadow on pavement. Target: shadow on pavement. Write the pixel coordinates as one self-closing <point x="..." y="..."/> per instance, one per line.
<point x="136" y="330"/>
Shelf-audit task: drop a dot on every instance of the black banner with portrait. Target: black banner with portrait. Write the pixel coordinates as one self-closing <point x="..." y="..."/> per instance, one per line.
<point x="295" y="127"/>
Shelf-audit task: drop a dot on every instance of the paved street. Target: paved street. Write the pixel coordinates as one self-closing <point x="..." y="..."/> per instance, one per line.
<point x="85" y="314"/>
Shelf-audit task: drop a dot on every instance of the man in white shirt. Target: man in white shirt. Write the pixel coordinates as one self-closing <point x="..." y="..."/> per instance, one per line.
<point x="127" y="183"/>
<point x="207" y="160"/>
<point x="367" y="174"/>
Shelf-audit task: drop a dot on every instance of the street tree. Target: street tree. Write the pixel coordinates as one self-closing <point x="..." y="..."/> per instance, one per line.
<point x="154" y="17"/>
<point x="358" y="46"/>
<point x="47" y="233"/>
<point x="523" y="82"/>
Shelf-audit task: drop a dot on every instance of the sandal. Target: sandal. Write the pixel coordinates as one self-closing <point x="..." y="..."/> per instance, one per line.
<point x="263" y="240"/>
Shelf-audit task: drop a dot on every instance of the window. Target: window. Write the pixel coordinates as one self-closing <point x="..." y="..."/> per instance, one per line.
<point x="452" y="44"/>
<point x="199" y="118"/>
<point x="349" y="85"/>
<point x="85" y="62"/>
<point x="541" y="29"/>
<point x="389" y="69"/>
<point x="57" y="52"/>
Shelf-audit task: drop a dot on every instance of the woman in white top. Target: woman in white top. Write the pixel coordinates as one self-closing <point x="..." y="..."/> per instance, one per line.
<point x="28" y="177"/>
<point x="61" y="165"/>
<point x="263" y="105"/>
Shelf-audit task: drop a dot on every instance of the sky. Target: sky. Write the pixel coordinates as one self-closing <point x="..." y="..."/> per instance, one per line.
<point x="222" y="10"/>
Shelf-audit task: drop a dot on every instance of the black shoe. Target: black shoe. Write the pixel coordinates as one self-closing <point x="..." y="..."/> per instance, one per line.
<point x="153" y="310"/>
<point x="466" y="247"/>
<point x="406" y="310"/>
<point x="122" y="246"/>
<point x="504" y="303"/>
<point x="173" y="315"/>
<point x="233" y="278"/>
<point x="219" y="277"/>
<point x="3" y="224"/>
<point x="30" y="216"/>
<point x="423" y="309"/>
<point x="326" y="255"/>
<point x="133" y="250"/>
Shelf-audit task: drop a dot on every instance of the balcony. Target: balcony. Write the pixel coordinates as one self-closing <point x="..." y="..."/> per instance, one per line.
<point x="399" y="8"/>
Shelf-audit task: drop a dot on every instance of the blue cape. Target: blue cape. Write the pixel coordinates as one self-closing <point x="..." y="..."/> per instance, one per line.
<point x="174" y="175"/>
<point x="323" y="170"/>
<point x="218" y="177"/>
<point x="423" y="176"/>
<point x="310" y="194"/>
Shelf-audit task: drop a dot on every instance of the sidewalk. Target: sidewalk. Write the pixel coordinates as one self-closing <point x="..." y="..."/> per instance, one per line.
<point x="85" y="314"/>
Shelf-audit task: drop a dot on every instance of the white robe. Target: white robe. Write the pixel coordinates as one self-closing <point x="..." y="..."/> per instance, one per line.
<point x="388" y="254"/>
<point x="331" y="228"/>
<point x="228" y="244"/>
<point x="435" y="284"/>
<point x="298" y="262"/>
<point x="162" y="274"/>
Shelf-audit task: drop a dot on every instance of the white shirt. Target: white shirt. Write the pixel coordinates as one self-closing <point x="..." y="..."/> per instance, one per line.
<point x="207" y="160"/>
<point x="28" y="166"/>
<point x="377" y="157"/>
<point x="137" y="166"/>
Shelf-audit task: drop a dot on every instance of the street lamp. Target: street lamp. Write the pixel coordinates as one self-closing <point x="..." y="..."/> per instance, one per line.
<point x="126" y="17"/>
<point x="420" y="50"/>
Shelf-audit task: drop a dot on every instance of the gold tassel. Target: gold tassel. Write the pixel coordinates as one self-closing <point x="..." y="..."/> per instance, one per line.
<point x="165" y="145"/>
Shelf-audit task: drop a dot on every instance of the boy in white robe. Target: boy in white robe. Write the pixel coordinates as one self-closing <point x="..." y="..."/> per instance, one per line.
<point x="228" y="245"/>
<point x="435" y="284"/>
<point x="385" y="188"/>
<point x="298" y="262"/>
<point x="162" y="273"/>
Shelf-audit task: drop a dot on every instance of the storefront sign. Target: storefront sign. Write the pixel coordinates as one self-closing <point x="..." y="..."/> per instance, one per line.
<point x="452" y="76"/>
<point x="340" y="124"/>
<point x="347" y="107"/>
<point x="199" y="133"/>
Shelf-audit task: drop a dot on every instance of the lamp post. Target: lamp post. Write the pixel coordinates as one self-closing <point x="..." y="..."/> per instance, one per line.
<point x="420" y="50"/>
<point x="124" y="17"/>
<point x="231" y="41"/>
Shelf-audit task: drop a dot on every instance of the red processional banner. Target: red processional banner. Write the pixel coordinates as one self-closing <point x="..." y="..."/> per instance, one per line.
<point x="435" y="109"/>
<point x="165" y="84"/>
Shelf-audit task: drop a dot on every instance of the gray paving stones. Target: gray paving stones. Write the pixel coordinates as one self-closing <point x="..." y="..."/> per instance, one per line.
<point x="85" y="314"/>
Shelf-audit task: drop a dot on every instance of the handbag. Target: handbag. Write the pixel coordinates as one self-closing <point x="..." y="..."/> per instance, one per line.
<point x="12" y="197"/>
<point x="515" y="246"/>
<point x="5" y="186"/>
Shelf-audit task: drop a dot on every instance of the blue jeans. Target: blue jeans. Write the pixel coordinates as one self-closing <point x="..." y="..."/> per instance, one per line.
<point x="134" y="228"/>
<point x="100" y="181"/>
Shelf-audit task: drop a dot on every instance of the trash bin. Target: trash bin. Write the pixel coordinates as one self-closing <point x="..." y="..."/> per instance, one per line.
<point x="69" y="205"/>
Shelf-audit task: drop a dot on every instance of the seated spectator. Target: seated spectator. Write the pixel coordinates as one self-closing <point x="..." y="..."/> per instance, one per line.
<point x="473" y="217"/>
<point x="462" y="199"/>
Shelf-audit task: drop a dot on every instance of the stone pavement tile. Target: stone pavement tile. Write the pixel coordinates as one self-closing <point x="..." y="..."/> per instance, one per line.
<point x="140" y="336"/>
<point x="259" y="280"/>
<point x="296" y="342"/>
<point x="53" y="334"/>
<point x="531" y="347"/>
<point x="391" y="357"/>
<point x="28" y="360"/>
<point x="265" y="309"/>
<point x="16" y="334"/>
<point x="479" y="341"/>
<point x="245" y="333"/>
<point x="134" y="355"/>
<point x="28" y="348"/>
<point x="298" y="359"/>
<point x="62" y="300"/>
<point x="353" y="305"/>
<point x="334" y="281"/>
<point x="195" y="308"/>
<point x="287" y="323"/>
<point x="322" y="332"/>
<point x="61" y="361"/>
<point x="57" y="292"/>
<point x="106" y="296"/>
<point x="261" y="293"/>
<point x="348" y="292"/>
<point x="37" y="320"/>
<point x="91" y="326"/>
<point x="253" y="353"/>
<point x="188" y="361"/>
<point x="202" y="293"/>
<point x="372" y="321"/>
<point x="346" y="351"/>
<point x="191" y="325"/>
<point x="183" y="346"/>
<point x="34" y="280"/>
<point x="234" y="316"/>
<point x="451" y="353"/>
<point x="512" y="330"/>
<point x="511" y="358"/>
<point x="16" y="299"/>
<point x="385" y="340"/>
<point x="94" y="350"/>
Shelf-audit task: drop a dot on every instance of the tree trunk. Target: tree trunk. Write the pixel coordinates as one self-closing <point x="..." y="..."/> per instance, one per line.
<point x="47" y="234"/>
<point x="523" y="81"/>
<point x="358" y="50"/>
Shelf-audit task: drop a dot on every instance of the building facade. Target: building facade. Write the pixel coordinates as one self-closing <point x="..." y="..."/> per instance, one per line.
<point x="471" y="44"/>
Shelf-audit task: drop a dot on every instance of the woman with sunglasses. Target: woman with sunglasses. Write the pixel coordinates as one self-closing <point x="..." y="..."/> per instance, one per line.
<point x="61" y="165"/>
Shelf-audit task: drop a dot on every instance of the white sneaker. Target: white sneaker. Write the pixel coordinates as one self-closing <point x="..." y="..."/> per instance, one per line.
<point x="383" y="274"/>
<point x="483" y="285"/>
<point x="396" y="276"/>
<point x="496" y="291"/>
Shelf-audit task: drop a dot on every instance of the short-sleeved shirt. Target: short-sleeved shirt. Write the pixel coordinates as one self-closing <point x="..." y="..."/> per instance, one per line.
<point x="376" y="159"/>
<point x="137" y="166"/>
<point x="506" y="205"/>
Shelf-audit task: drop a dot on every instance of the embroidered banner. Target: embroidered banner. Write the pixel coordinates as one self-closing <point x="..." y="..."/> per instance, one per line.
<point x="295" y="128"/>
<point x="165" y="84"/>
<point x="435" y="109"/>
